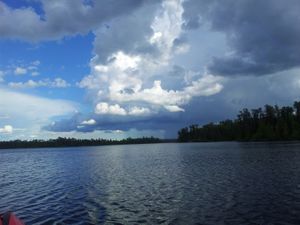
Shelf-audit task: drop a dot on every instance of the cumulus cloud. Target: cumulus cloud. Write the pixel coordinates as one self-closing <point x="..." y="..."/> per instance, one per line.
<point x="23" y="68"/>
<point x="56" y="83"/>
<point x="170" y="99"/>
<point x="105" y="108"/>
<point x="264" y="36"/>
<point x="59" y="83"/>
<point x="124" y="75"/>
<point x="89" y="122"/>
<point x="20" y="71"/>
<point x="130" y="83"/>
<point x="7" y="129"/>
<point x="137" y="111"/>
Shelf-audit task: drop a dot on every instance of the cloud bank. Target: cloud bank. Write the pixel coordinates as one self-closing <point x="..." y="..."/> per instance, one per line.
<point x="165" y="64"/>
<point x="61" y="18"/>
<point x="263" y="35"/>
<point x="30" y="112"/>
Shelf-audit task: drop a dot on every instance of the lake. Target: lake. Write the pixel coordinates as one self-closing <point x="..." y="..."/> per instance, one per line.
<point x="193" y="183"/>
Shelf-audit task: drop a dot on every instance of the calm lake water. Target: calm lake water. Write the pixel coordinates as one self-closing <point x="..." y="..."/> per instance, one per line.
<point x="201" y="183"/>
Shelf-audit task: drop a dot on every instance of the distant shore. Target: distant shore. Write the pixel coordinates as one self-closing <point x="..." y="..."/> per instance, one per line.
<point x="72" y="142"/>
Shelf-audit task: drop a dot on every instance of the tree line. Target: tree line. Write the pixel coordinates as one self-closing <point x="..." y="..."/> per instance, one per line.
<point x="72" y="142"/>
<point x="267" y="124"/>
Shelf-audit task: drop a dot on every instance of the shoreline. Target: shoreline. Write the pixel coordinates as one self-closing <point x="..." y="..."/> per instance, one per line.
<point x="161" y="141"/>
<point x="70" y="142"/>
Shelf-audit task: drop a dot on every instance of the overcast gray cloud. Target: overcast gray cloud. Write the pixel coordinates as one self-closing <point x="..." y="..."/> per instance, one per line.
<point x="264" y="36"/>
<point x="127" y="32"/>
<point x="61" y="18"/>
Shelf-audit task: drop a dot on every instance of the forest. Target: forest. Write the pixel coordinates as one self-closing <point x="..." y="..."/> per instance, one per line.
<point x="72" y="142"/>
<point x="263" y="124"/>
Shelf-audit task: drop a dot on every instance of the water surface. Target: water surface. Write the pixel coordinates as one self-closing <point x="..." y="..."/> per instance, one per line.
<point x="200" y="183"/>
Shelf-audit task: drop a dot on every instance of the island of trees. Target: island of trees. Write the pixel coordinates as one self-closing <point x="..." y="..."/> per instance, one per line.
<point x="267" y="124"/>
<point x="72" y="142"/>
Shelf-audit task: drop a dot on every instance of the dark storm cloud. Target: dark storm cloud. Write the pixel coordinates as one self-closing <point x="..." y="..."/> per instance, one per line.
<point x="61" y="18"/>
<point x="126" y="33"/>
<point x="264" y="36"/>
<point x="111" y="122"/>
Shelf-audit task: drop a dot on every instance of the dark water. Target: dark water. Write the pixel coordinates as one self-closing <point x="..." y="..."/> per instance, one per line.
<point x="209" y="183"/>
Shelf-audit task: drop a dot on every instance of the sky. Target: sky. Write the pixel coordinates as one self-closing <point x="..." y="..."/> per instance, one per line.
<point x="117" y="69"/>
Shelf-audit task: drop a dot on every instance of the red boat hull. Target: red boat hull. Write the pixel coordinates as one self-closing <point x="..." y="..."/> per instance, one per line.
<point x="10" y="219"/>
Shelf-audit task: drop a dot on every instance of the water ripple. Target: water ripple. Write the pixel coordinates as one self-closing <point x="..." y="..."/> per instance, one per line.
<point x="210" y="183"/>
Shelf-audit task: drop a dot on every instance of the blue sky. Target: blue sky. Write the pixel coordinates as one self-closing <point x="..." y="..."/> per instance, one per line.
<point x="114" y="69"/>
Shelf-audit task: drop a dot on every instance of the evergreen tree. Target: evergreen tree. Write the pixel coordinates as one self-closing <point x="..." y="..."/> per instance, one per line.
<point x="272" y="123"/>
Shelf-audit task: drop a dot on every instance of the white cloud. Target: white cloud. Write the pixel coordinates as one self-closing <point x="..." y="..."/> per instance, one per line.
<point x="123" y="62"/>
<point x="7" y="129"/>
<point x="138" y="111"/>
<point x="137" y="65"/>
<point x="173" y="108"/>
<point x="27" y="84"/>
<point x="24" y="108"/>
<point x="36" y="63"/>
<point x="20" y="71"/>
<point x="117" y="131"/>
<point x="32" y="68"/>
<point x="1" y="76"/>
<point x="26" y="68"/>
<point x="35" y="73"/>
<point x="89" y="122"/>
<point x="204" y="86"/>
<point x="167" y="27"/>
<point x="105" y="108"/>
<point x="59" y="83"/>
<point x="56" y="83"/>
<point x="116" y="109"/>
